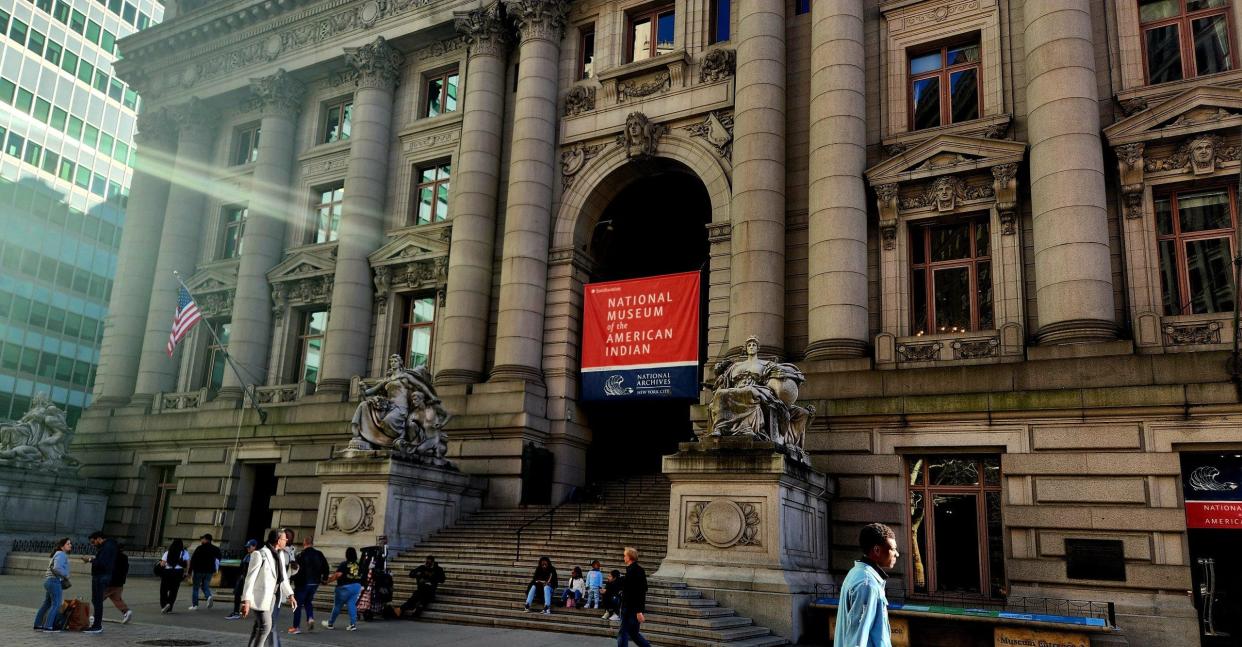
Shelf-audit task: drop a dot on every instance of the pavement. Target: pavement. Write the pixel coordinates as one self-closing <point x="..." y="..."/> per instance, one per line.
<point x="20" y="597"/>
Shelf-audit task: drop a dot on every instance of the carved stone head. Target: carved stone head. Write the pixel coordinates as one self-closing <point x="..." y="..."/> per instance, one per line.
<point x="752" y="346"/>
<point x="394" y="362"/>
<point x="641" y="136"/>
<point x="944" y="189"/>
<point x="1203" y="155"/>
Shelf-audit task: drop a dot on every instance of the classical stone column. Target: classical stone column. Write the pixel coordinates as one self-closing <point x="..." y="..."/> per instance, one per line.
<point x="179" y="245"/>
<point x="476" y="182"/>
<point x="1073" y="276"/>
<point x="837" y="245"/>
<point x="263" y="239"/>
<point x="757" y="295"/>
<point x="377" y="67"/>
<point x="528" y="210"/>
<point x="135" y="261"/>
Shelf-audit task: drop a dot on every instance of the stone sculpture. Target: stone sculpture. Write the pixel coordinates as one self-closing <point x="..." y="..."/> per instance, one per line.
<point x="402" y="413"/>
<point x="757" y="397"/>
<point x="40" y="439"/>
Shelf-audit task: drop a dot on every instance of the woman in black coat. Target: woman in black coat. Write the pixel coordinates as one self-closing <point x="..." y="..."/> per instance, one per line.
<point x="545" y="578"/>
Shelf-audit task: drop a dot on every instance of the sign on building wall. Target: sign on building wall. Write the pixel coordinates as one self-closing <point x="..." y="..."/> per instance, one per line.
<point x="1212" y="485"/>
<point x="640" y="339"/>
<point x="1022" y="637"/>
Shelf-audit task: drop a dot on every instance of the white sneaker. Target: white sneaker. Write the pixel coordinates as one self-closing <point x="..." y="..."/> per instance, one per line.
<point x="91" y="621"/>
<point x="326" y="625"/>
<point x="167" y="609"/>
<point x="211" y="601"/>
<point x="126" y="616"/>
<point x="605" y="616"/>
<point x="192" y="607"/>
<point x="547" y="611"/>
<point x="351" y="628"/>
<point x="615" y="618"/>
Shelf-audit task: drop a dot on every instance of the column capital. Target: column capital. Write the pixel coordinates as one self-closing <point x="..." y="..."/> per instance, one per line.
<point x="376" y="65"/>
<point x="539" y="19"/>
<point x="280" y="93"/>
<point x="156" y="127"/>
<point x="483" y="29"/>
<point x="195" y="117"/>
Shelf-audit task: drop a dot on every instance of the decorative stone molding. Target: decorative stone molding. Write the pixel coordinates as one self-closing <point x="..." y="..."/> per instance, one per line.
<point x="279" y="93"/>
<point x="719" y="232"/>
<point x="717" y="130"/>
<point x="539" y="19"/>
<point x="579" y="99"/>
<point x="886" y="199"/>
<point x="483" y="29"/>
<point x="976" y="348"/>
<point x="924" y="352"/>
<point x="888" y="234"/>
<point x="1133" y="106"/>
<point x="156" y="127"/>
<point x="438" y="49"/>
<point x="571" y="256"/>
<point x="723" y="523"/>
<point x="213" y="287"/>
<point x="1187" y="334"/>
<point x="718" y="65"/>
<point x="1199" y="155"/>
<point x="575" y="158"/>
<point x="641" y="136"/>
<point x="377" y="65"/>
<point x="185" y="400"/>
<point x="1005" y="190"/>
<point x="656" y="75"/>
<point x="195" y="118"/>
<point x="997" y="130"/>
<point x="350" y="514"/>
<point x="280" y="393"/>
<point x="216" y="304"/>
<point x="945" y="192"/>
<point x="660" y="82"/>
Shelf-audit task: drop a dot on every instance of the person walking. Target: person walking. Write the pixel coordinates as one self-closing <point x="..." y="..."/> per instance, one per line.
<point x="54" y="581"/>
<point x="428" y="577"/>
<point x="267" y="584"/>
<point x="348" y="578"/>
<point x="172" y="572"/>
<point x="544" y="579"/>
<point x="120" y="573"/>
<point x="251" y="546"/>
<point x="203" y="566"/>
<point x="101" y="575"/>
<point x="862" y="611"/>
<point x="633" y="601"/>
<point x="312" y="569"/>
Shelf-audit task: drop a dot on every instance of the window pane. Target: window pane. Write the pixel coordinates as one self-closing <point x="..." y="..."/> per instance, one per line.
<point x="17" y="32"/>
<point x="983" y="290"/>
<point x="1200" y="5"/>
<point x="423" y="310"/>
<point x="720" y="29"/>
<point x="918" y="548"/>
<point x="317" y="323"/>
<point x="420" y="346"/>
<point x="991" y="471"/>
<point x="424" y="205"/>
<point x="983" y="240"/>
<point x="1164" y="216"/>
<point x="36" y="42"/>
<point x="925" y="63"/>
<point x="949" y="470"/>
<point x="917" y="243"/>
<point x="347" y="117"/>
<point x="640" y="32"/>
<point x="952" y="289"/>
<point x="963" y="54"/>
<point x="69" y="63"/>
<point x="996" y="543"/>
<point x="314" y="353"/>
<point x="442" y="193"/>
<point x="964" y="87"/>
<point x="1170" y="288"/>
<point x="52" y="53"/>
<point x="957" y="542"/>
<point x="332" y="124"/>
<point x="434" y="89"/>
<point x="926" y="100"/>
<point x="1211" y="44"/>
<point x="950" y="242"/>
<point x="450" y="94"/>
<point x="918" y="290"/>
<point x="1203" y="211"/>
<point x="588" y="55"/>
<point x="664" y="28"/>
<point x="1157" y="9"/>
<point x="1164" y="55"/>
<point x="1207" y="267"/>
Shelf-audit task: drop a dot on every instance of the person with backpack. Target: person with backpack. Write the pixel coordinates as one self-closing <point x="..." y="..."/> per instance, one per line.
<point x="203" y="565"/>
<point x="171" y="568"/>
<point x="311" y="572"/>
<point x="55" y="580"/>
<point x="101" y="575"/>
<point x="120" y="572"/>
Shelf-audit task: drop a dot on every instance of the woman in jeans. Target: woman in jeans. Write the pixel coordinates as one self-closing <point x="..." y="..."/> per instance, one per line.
<point x="53" y="586"/>
<point x="173" y="563"/>
<point x="348" y="578"/>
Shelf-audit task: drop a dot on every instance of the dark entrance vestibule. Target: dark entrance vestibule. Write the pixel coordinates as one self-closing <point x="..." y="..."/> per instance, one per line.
<point x="655" y="225"/>
<point x="1212" y="485"/>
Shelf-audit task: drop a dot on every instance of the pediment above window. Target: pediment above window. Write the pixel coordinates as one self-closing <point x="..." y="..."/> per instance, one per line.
<point x="946" y="155"/>
<point x="305" y="263"/>
<point x="1199" y="109"/>
<point x="411" y="246"/>
<point x="213" y="287"/>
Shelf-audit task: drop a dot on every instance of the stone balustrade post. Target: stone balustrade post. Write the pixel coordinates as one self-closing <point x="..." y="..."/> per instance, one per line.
<point x="180" y="243"/>
<point x="462" y="337"/>
<point x="135" y="260"/>
<point x="837" y="246"/>
<point x="377" y="67"/>
<point x="528" y="209"/>
<point x="263" y="239"/>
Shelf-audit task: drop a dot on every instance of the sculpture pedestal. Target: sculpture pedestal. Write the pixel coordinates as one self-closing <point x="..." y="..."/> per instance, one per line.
<point x="365" y="494"/>
<point x="45" y="502"/>
<point x="749" y="527"/>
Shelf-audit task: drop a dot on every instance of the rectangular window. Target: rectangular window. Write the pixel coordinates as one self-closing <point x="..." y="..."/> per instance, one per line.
<point x="246" y="146"/>
<point x="62" y="11"/>
<point x="17" y="32"/>
<point x="101" y="81"/>
<point x="106" y="142"/>
<point x="42" y="109"/>
<point x="36" y="42"/>
<point x="431" y="194"/>
<point x="131" y="99"/>
<point x="90" y="136"/>
<point x="586" y="52"/>
<point x="45" y="5"/>
<point x="99" y="185"/>
<point x="129" y="13"/>
<point x="59" y="118"/>
<point x="1183" y="39"/>
<point x="82" y="177"/>
<point x="77" y="21"/>
<point x="4" y="26"/>
<point x="34" y="153"/>
<point x="93" y="31"/>
<point x="52" y="52"/>
<point x="108" y="42"/>
<point x="215" y="366"/>
<point x="310" y="348"/>
<point x="114" y="6"/>
<point x="69" y="63"/>
<point x="121" y="152"/>
<point x="144" y="21"/>
<point x="7" y="89"/>
<point x="25" y="100"/>
<point x="417" y="324"/>
<point x="86" y="72"/>
<point x="116" y="89"/>
<point x="650" y="32"/>
<point x="944" y="85"/>
<point x="441" y="94"/>
<point x="66" y="170"/>
<point x="337" y="118"/>
<point x="75" y="127"/>
<point x="802" y="7"/>
<point x="50" y="162"/>
<point x="1194" y="232"/>
<point x="719" y="21"/>
<point x="14" y="145"/>
<point x="956" y="536"/>
<point x="951" y="276"/>
<point x="232" y="224"/>
<point x="327" y="213"/>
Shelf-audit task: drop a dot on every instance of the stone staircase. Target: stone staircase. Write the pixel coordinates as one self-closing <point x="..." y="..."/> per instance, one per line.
<point x="486" y="577"/>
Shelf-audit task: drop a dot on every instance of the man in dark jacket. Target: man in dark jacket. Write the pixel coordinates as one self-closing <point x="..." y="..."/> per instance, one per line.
<point x="633" y="601"/>
<point x="120" y="571"/>
<point x="311" y="572"/>
<point x="428" y="578"/>
<point x="203" y="564"/>
<point x="101" y="575"/>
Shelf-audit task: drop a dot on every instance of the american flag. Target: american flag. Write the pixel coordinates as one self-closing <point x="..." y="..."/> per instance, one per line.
<point x="187" y="315"/>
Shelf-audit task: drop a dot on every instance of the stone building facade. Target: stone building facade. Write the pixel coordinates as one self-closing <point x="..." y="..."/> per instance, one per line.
<point x="995" y="234"/>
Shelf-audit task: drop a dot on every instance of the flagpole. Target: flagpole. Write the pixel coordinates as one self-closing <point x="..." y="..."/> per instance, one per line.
<point x="228" y="359"/>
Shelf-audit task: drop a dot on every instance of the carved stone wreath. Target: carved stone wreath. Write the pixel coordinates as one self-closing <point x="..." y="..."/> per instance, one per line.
<point x="351" y="514"/>
<point x="718" y="64"/>
<point x="723" y="523"/>
<point x="578" y="100"/>
<point x="1193" y="334"/>
<point x="928" y="352"/>
<point x="661" y="82"/>
<point x="976" y="348"/>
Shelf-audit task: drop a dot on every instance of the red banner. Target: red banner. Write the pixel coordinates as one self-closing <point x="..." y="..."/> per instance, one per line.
<point x="1214" y="514"/>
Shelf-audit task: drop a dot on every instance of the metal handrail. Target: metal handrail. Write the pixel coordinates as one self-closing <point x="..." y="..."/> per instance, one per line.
<point x="1098" y="609"/>
<point x="551" y="515"/>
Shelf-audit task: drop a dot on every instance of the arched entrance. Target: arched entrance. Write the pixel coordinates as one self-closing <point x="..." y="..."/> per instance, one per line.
<point x="656" y="223"/>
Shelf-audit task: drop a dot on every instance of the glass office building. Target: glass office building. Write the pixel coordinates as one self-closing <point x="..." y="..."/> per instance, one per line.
<point x="67" y="129"/>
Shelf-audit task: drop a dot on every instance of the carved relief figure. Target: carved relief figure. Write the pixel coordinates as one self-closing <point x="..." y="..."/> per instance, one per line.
<point x="403" y="413"/>
<point x="945" y="190"/>
<point x="640" y="137"/>
<point x="1203" y="155"/>
<point x="756" y="397"/>
<point x="41" y="437"/>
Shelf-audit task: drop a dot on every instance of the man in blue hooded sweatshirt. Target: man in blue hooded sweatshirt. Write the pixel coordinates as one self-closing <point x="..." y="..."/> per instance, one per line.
<point x="862" y="613"/>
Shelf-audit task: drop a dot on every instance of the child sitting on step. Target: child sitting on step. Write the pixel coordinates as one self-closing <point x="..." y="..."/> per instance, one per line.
<point x="612" y="596"/>
<point x="574" y="590"/>
<point x="594" y="584"/>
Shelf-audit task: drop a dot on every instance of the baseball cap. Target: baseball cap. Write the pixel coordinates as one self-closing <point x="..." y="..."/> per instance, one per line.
<point x="251" y="543"/>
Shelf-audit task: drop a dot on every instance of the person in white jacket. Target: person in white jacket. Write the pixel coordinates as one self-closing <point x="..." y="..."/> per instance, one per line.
<point x="266" y="585"/>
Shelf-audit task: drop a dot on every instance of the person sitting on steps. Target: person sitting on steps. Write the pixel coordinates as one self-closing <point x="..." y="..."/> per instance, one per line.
<point x="428" y="576"/>
<point x="545" y="578"/>
<point x="575" y="590"/>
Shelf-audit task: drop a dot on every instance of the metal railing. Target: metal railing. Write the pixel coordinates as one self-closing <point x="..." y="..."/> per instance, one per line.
<point x="551" y="515"/>
<point x="1105" y="611"/>
<point x="82" y="546"/>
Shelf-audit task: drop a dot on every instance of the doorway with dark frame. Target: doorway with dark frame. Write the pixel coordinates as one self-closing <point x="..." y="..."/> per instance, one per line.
<point x="1212" y="485"/>
<point x="256" y="485"/>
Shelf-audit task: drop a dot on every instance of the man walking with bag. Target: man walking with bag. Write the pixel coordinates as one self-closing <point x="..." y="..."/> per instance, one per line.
<point x="633" y="601"/>
<point x="101" y="576"/>
<point x="267" y="584"/>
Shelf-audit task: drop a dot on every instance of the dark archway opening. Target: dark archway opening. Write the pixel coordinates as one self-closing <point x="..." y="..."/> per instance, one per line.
<point x="655" y="225"/>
